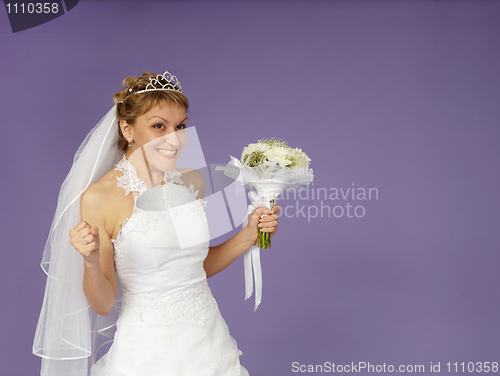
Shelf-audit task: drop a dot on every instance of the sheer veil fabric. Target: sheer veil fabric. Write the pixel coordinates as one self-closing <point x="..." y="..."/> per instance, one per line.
<point x="69" y="333"/>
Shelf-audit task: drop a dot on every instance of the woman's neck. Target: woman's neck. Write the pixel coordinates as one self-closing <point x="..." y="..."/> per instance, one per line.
<point x="145" y="172"/>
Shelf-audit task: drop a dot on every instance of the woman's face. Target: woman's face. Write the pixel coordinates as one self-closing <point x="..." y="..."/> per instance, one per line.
<point x="161" y="132"/>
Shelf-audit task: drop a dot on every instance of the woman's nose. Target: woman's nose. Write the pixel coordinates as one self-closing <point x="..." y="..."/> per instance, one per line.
<point x="172" y="138"/>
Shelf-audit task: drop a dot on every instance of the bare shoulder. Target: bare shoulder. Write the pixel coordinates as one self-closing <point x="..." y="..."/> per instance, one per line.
<point x="190" y="176"/>
<point x="98" y="193"/>
<point x="101" y="198"/>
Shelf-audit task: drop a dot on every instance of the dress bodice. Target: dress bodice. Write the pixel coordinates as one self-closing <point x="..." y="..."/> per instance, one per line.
<point x="162" y="245"/>
<point x="169" y="322"/>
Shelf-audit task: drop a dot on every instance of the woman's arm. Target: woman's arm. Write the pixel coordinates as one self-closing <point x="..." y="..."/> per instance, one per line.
<point x="99" y="283"/>
<point x="222" y="255"/>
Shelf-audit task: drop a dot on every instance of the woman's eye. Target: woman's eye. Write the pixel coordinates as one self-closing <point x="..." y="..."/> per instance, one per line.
<point x="181" y="126"/>
<point x="158" y="126"/>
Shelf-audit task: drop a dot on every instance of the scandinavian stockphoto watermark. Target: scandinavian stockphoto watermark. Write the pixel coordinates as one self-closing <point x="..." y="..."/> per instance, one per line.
<point x="370" y="368"/>
<point x="320" y="202"/>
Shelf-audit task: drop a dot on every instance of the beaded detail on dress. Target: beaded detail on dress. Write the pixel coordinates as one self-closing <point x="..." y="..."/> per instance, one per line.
<point x="118" y="253"/>
<point x="188" y="305"/>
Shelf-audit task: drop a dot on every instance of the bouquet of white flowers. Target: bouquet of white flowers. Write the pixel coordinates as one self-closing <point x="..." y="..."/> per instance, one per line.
<point x="268" y="167"/>
<point x="274" y="166"/>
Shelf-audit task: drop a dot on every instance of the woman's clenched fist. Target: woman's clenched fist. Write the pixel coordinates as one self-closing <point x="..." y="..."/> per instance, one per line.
<point x="85" y="239"/>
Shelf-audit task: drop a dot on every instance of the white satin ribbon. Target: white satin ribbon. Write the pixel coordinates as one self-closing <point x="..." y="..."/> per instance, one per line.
<point x="252" y="255"/>
<point x="268" y="189"/>
<point x="251" y="258"/>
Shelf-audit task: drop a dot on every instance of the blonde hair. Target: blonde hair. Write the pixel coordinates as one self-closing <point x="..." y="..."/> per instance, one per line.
<point x="129" y="106"/>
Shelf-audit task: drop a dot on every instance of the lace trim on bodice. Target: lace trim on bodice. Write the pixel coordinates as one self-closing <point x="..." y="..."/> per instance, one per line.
<point x="146" y="223"/>
<point x="129" y="180"/>
<point x="188" y="305"/>
<point x="131" y="183"/>
<point x="147" y="220"/>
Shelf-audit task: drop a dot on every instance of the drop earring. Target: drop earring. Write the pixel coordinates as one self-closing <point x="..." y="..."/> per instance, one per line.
<point x="129" y="141"/>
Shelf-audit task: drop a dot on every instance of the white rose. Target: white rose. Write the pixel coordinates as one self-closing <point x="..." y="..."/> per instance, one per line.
<point x="278" y="155"/>
<point x="303" y="160"/>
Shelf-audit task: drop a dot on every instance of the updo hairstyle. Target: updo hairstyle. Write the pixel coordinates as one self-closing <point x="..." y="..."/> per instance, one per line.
<point x="129" y="106"/>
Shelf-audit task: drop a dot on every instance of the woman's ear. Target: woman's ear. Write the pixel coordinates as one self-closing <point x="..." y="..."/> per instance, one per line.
<point x="126" y="129"/>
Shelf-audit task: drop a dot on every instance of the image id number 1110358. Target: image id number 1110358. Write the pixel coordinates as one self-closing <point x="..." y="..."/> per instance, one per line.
<point x="31" y="8"/>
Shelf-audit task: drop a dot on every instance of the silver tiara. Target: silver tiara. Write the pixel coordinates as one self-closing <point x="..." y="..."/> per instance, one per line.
<point x="165" y="81"/>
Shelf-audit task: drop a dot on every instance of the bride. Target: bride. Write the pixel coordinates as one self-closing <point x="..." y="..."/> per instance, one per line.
<point x="143" y="220"/>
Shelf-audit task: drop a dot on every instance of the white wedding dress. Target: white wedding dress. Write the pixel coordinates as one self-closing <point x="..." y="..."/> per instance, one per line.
<point x="169" y="323"/>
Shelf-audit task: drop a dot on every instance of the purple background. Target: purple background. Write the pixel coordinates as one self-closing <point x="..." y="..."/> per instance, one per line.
<point x="400" y="96"/>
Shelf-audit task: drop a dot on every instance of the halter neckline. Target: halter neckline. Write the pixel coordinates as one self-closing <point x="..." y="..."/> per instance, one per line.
<point x="130" y="182"/>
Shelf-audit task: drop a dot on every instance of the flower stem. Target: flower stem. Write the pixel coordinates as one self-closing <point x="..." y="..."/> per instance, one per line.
<point x="264" y="240"/>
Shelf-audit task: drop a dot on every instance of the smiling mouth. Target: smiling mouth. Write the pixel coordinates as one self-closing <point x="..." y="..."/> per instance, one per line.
<point x="167" y="153"/>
